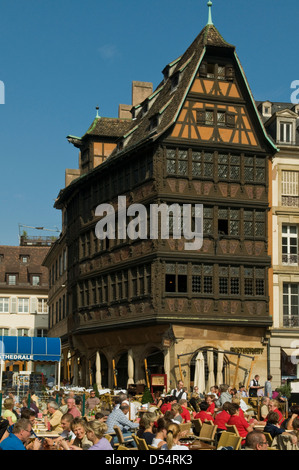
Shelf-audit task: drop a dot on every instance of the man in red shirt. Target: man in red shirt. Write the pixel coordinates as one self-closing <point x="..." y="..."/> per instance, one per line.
<point x="241" y="424"/>
<point x="203" y="415"/>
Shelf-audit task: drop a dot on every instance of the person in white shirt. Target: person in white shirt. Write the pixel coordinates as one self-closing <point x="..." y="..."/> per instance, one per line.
<point x="179" y="392"/>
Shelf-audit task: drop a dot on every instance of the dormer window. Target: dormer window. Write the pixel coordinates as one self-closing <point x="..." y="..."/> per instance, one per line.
<point x="175" y="79"/>
<point x="144" y="109"/>
<point x="154" y="122"/>
<point x="35" y="280"/>
<point x="217" y="71"/>
<point x="12" y="279"/>
<point x="285" y="132"/>
<point x="267" y="109"/>
<point x="211" y="117"/>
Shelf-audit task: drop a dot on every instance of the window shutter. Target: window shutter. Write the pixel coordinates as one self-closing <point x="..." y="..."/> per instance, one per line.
<point x="203" y="69"/>
<point x="33" y="305"/>
<point x="229" y="72"/>
<point x="13" y="304"/>
<point x="230" y="119"/>
<point x="200" y="116"/>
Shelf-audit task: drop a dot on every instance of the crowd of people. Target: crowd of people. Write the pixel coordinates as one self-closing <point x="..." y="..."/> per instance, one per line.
<point x="159" y="426"/>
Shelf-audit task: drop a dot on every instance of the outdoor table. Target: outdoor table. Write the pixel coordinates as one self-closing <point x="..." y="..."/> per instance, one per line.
<point x="200" y="445"/>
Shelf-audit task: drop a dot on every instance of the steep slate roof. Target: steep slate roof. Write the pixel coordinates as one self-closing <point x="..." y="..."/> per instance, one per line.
<point x="108" y="127"/>
<point x="11" y="263"/>
<point x="277" y="107"/>
<point x="166" y="103"/>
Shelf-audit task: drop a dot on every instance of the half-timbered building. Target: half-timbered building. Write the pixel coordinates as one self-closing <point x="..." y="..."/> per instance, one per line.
<point x="147" y="305"/>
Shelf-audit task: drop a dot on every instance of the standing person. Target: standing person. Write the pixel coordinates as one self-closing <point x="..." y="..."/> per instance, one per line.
<point x="72" y="409"/>
<point x="92" y="401"/>
<point x="179" y="391"/>
<point x="268" y="387"/>
<point x="254" y="386"/>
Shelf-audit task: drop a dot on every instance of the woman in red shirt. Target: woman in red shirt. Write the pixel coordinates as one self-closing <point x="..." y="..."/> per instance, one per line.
<point x="221" y="418"/>
<point x="211" y="403"/>
<point x="241" y="424"/>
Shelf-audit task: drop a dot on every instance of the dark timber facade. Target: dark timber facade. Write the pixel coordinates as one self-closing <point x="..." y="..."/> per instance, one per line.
<point x="197" y="138"/>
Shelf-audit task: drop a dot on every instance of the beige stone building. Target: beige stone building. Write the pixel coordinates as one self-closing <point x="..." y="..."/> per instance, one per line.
<point x="281" y="121"/>
<point x="24" y="294"/>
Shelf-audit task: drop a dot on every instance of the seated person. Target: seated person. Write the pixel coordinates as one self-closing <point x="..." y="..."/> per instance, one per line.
<point x="146" y="425"/>
<point x="240" y="422"/>
<point x="272" y="426"/>
<point x="273" y="406"/>
<point x="203" y="415"/>
<point x="210" y="400"/>
<point x="222" y="418"/>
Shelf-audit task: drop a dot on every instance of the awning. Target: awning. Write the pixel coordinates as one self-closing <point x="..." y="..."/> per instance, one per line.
<point x="291" y="352"/>
<point x="28" y="348"/>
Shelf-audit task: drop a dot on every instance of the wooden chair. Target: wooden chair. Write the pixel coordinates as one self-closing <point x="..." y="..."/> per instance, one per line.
<point x="269" y="438"/>
<point x="120" y="437"/>
<point x="207" y="433"/>
<point x="141" y="443"/>
<point x="197" y="425"/>
<point x="234" y="441"/>
<point x="185" y="427"/>
<point x="227" y="439"/>
<point x="121" y="447"/>
<point x="223" y="439"/>
<point x="232" y="428"/>
<point x="108" y="437"/>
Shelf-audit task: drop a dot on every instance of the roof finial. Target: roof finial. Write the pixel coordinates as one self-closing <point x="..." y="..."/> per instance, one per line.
<point x="210" y="12"/>
<point x="97" y="108"/>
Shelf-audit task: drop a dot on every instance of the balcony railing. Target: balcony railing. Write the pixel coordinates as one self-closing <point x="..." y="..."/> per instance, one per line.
<point x="290" y="321"/>
<point x="290" y="259"/>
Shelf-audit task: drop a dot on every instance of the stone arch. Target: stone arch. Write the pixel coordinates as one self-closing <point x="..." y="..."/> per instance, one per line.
<point x="215" y="365"/>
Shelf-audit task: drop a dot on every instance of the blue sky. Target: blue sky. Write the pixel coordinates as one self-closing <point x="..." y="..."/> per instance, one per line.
<point x="59" y="59"/>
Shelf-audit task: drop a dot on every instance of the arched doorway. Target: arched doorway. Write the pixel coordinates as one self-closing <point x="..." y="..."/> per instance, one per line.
<point x="104" y="371"/>
<point x="122" y="371"/>
<point x="155" y="362"/>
